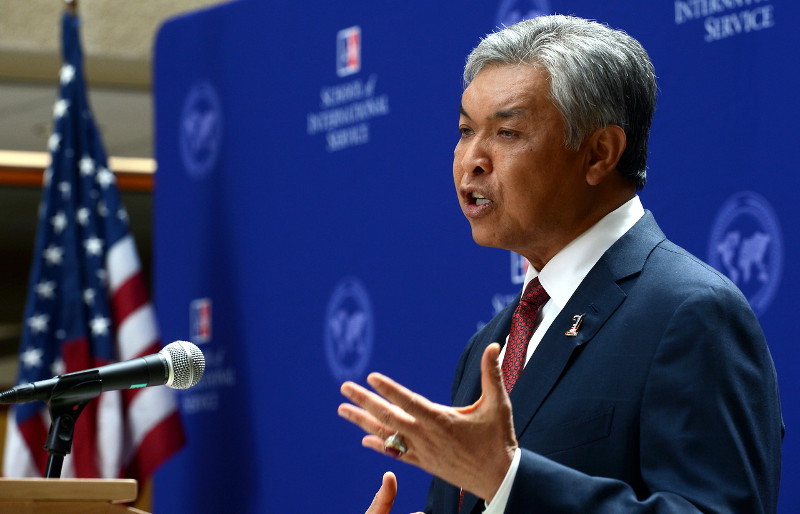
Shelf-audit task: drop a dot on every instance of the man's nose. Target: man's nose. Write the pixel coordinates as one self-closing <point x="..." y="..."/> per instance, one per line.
<point x="476" y="157"/>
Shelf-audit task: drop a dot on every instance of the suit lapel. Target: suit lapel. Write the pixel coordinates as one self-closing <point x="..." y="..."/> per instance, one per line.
<point x="552" y="355"/>
<point x="597" y="297"/>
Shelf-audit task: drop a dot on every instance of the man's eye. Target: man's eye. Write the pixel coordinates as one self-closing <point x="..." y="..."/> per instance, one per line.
<point x="506" y="133"/>
<point x="465" y="131"/>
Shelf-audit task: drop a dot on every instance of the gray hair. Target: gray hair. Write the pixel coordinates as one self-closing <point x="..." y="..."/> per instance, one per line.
<point x="598" y="77"/>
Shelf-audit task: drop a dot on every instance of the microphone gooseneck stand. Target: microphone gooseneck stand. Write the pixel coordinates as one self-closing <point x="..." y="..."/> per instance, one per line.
<point x="64" y="411"/>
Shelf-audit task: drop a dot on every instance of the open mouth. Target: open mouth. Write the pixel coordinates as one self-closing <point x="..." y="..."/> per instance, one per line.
<point x="478" y="199"/>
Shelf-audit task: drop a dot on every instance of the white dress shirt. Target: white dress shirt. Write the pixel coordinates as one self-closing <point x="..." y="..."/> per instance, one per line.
<point x="560" y="277"/>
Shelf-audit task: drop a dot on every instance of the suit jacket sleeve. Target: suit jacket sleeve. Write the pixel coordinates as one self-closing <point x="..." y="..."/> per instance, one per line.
<point x="710" y="428"/>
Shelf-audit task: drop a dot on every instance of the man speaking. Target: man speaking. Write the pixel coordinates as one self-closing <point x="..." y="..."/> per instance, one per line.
<point x="629" y="376"/>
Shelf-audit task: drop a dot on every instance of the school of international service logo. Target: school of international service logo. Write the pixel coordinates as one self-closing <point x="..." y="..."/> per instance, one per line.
<point x="200" y="131"/>
<point x="747" y="245"/>
<point x="349" y="328"/>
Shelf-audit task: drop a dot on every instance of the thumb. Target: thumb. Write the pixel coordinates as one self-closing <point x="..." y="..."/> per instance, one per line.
<point x="492" y="385"/>
<point x="384" y="498"/>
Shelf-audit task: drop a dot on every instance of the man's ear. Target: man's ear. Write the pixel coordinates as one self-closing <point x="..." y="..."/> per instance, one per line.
<point x="605" y="149"/>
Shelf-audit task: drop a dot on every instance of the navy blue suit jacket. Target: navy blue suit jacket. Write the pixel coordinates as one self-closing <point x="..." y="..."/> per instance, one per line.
<point x="665" y="401"/>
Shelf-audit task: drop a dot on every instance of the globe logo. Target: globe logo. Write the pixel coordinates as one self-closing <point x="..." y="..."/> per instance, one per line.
<point x="513" y="11"/>
<point x="200" y="130"/>
<point x="746" y="245"/>
<point x="348" y="330"/>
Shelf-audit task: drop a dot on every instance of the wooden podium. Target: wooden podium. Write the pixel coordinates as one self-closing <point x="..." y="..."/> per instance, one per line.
<point x="67" y="496"/>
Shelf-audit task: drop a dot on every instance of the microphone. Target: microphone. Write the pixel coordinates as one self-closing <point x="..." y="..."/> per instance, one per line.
<point x="178" y="365"/>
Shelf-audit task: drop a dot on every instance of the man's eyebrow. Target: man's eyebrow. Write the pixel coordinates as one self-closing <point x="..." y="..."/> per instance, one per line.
<point x="502" y="114"/>
<point x="510" y="113"/>
<point x="506" y="113"/>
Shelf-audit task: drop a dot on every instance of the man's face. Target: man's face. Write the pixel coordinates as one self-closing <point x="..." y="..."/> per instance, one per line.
<point x="517" y="184"/>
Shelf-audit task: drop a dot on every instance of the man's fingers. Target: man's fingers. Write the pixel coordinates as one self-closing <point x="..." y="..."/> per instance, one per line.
<point x="384" y="498"/>
<point x="409" y="401"/>
<point x="365" y="420"/>
<point x="491" y="376"/>
<point x="383" y="411"/>
<point x="492" y="387"/>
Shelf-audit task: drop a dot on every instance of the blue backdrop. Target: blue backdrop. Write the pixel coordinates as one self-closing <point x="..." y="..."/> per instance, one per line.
<point x="307" y="230"/>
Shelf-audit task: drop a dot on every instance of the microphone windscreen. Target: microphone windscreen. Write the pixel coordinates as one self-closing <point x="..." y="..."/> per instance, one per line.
<point x="186" y="364"/>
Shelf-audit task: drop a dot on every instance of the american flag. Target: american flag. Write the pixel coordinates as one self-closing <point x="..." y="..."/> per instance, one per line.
<point x="87" y="305"/>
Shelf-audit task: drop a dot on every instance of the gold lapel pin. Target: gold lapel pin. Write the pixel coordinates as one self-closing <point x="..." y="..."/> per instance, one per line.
<point x="577" y="321"/>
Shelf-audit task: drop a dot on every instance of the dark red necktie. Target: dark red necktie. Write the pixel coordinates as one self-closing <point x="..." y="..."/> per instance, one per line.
<point x="522" y="325"/>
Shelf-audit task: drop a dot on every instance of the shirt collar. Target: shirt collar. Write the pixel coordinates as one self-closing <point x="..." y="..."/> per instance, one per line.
<point x="562" y="275"/>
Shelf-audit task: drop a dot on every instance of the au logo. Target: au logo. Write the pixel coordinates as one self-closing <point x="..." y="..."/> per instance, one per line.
<point x="348" y="51"/>
<point x="348" y="330"/>
<point x="747" y="245"/>
<point x="513" y="11"/>
<point x="200" y="130"/>
<point x="200" y="320"/>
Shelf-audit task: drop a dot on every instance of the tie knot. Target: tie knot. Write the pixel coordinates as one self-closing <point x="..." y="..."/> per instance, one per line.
<point x="534" y="294"/>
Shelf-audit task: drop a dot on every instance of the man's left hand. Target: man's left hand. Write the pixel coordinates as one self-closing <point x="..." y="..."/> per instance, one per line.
<point x="470" y="447"/>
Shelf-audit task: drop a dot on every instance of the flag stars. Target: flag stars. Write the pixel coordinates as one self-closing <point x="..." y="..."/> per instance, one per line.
<point x="83" y="216"/>
<point x="105" y="177"/>
<point x="88" y="296"/>
<point x="53" y="142"/>
<point x="122" y="214"/>
<point x="54" y="255"/>
<point x="32" y="357"/>
<point x="58" y="367"/>
<point x="65" y="189"/>
<point x="59" y="222"/>
<point x="60" y="108"/>
<point x="38" y="323"/>
<point x="67" y="73"/>
<point x="93" y="246"/>
<point x="46" y="289"/>
<point x="48" y="175"/>
<point x="87" y="166"/>
<point x="102" y="209"/>
<point x="100" y="325"/>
